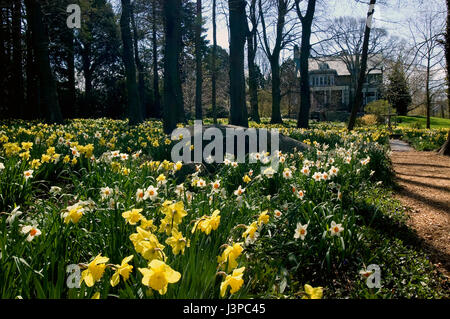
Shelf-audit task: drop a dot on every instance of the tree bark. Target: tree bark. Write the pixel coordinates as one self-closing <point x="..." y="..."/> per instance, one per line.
<point x="213" y="65"/>
<point x="18" y="97"/>
<point x="46" y="80"/>
<point x="276" y="92"/>
<point x="274" y="56"/>
<point x="32" y="101"/>
<point x="238" y="32"/>
<point x="445" y="149"/>
<point x="305" y="51"/>
<point x="173" y="95"/>
<point x="198" y="63"/>
<point x="362" y="72"/>
<point x="428" y="93"/>
<point x="447" y="54"/>
<point x="157" y="98"/>
<point x="134" y="108"/>
<point x="71" y="72"/>
<point x="139" y="66"/>
<point x="252" y="46"/>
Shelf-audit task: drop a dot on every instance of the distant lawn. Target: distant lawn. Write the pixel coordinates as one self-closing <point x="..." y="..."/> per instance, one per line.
<point x="436" y="122"/>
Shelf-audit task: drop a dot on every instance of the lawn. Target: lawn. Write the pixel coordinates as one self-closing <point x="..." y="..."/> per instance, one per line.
<point x="412" y="121"/>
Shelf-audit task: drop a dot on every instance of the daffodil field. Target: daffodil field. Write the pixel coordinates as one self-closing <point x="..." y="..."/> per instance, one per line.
<point x="105" y="198"/>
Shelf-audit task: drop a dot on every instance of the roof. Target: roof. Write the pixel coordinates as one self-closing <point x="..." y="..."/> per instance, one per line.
<point x="328" y="64"/>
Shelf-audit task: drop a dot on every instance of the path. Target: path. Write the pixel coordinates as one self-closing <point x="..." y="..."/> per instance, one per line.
<point x="424" y="178"/>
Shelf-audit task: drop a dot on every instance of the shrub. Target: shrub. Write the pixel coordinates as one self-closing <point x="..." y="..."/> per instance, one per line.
<point x="368" y="120"/>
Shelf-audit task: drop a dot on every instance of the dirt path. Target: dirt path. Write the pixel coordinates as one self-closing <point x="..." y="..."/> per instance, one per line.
<point x="424" y="178"/>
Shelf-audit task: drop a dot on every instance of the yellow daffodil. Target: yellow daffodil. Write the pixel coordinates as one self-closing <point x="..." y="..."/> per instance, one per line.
<point x="207" y="223"/>
<point x="94" y="271"/>
<point x="251" y="230"/>
<point x="230" y="254"/>
<point x="124" y="270"/>
<point x="96" y="295"/>
<point x="263" y="218"/>
<point x="73" y="214"/>
<point x="158" y="275"/>
<point x="177" y="242"/>
<point x="246" y="179"/>
<point x="133" y="216"/>
<point x="235" y="281"/>
<point x="313" y="293"/>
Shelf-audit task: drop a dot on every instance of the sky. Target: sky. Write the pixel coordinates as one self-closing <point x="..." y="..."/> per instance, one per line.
<point x="393" y="17"/>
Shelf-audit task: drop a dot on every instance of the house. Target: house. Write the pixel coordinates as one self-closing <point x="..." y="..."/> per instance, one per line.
<point x="331" y="84"/>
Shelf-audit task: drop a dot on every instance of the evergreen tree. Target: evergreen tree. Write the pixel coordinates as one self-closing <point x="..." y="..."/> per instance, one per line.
<point x="397" y="91"/>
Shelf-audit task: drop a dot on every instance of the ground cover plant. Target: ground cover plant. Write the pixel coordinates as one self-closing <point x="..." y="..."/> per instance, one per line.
<point x="105" y="198"/>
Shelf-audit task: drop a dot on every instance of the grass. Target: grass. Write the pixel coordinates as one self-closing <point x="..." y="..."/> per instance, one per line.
<point x="411" y="121"/>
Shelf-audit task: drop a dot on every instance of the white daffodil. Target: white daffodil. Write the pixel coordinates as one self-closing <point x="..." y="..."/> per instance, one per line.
<point x="239" y="191"/>
<point x="336" y="229"/>
<point x="28" y="174"/>
<point x="13" y="215"/>
<point x="105" y="192"/>
<point x="140" y="195"/>
<point x="151" y="192"/>
<point x="31" y="231"/>
<point x="300" y="231"/>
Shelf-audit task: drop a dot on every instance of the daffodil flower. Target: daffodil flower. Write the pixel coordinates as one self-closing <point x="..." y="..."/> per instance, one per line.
<point x="230" y="254"/>
<point x="313" y="293"/>
<point x="235" y="281"/>
<point x="158" y="275"/>
<point x="124" y="270"/>
<point x="94" y="271"/>
<point x="133" y="216"/>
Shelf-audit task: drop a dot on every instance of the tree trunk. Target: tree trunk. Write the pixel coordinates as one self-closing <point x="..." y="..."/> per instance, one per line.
<point x="447" y="54"/>
<point x="139" y="66"/>
<point x="252" y="46"/>
<point x="213" y="64"/>
<point x="238" y="32"/>
<point x="157" y="98"/>
<point x="198" y="63"/>
<point x="445" y="149"/>
<point x="3" y="77"/>
<point x="32" y="101"/>
<point x="276" y="92"/>
<point x="305" y="50"/>
<point x="87" y="73"/>
<point x="71" y="72"/>
<point x="362" y="72"/>
<point x="173" y="95"/>
<point x="134" y="107"/>
<point x="47" y="83"/>
<point x="428" y="93"/>
<point x="18" y="96"/>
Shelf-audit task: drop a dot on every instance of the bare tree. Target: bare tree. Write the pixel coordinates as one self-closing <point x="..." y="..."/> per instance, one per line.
<point x="252" y="47"/>
<point x="425" y="33"/>
<point x="305" y="51"/>
<point x="282" y="38"/>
